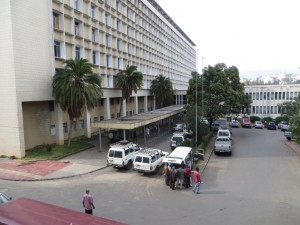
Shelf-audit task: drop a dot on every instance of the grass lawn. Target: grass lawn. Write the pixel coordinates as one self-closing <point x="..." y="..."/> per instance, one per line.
<point x="57" y="151"/>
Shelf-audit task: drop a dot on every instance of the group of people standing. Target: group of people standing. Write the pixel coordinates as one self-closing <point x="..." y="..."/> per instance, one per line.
<point x="181" y="176"/>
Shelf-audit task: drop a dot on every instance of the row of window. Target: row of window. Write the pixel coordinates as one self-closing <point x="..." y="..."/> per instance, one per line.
<point x="138" y="13"/>
<point x="129" y="48"/>
<point x="273" y="95"/>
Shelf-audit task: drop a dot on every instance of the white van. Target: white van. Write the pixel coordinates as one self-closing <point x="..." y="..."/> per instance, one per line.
<point x="121" y="154"/>
<point x="149" y="160"/>
<point x="180" y="155"/>
<point x="224" y="133"/>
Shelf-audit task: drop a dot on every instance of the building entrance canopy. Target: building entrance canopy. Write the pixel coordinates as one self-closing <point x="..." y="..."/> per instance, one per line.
<point x="139" y="120"/>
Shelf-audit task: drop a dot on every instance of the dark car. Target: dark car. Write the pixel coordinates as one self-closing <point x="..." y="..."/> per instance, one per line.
<point x="272" y="126"/>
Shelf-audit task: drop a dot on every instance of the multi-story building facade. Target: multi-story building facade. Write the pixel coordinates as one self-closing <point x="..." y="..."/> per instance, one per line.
<point x="267" y="98"/>
<point x="37" y="35"/>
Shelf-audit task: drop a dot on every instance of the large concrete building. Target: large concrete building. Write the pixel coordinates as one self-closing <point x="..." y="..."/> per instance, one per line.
<point x="267" y="98"/>
<point x="37" y="35"/>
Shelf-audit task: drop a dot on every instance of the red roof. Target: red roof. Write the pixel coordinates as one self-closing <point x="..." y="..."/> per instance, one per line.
<point x="25" y="211"/>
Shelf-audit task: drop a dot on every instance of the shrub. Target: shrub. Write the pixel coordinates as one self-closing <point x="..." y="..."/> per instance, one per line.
<point x="254" y="118"/>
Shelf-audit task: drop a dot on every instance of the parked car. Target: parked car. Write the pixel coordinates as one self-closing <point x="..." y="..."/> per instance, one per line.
<point x="258" y="124"/>
<point x="121" y="154"/>
<point x="224" y="133"/>
<point x="178" y="127"/>
<point x="177" y="139"/>
<point x="222" y="145"/>
<point x="235" y="123"/>
<point x="246" y="122"/>
<point x="4" y="199"/>
<point x="288" y="135"/>
<point x="284" y="126"/>
<point x="149" y="160"/>
<point x="272" y="126"/>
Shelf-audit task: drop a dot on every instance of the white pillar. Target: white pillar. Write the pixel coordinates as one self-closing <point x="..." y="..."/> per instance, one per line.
<point x="145" y="104"/>
<point x="107" y="108"/>
<point x="59" y="125"/>
<point x="124" y="107"/>
<point x="87" y="124"/>
<point x="136" y="105"/>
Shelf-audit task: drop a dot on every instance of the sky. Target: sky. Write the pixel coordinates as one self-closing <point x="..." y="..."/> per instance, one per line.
<point x="255" y="36"/>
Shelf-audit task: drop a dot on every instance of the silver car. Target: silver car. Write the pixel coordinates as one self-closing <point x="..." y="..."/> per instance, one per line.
<point x="258" y="124"/>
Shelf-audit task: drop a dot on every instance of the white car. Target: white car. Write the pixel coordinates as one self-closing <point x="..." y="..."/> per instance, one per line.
<point x="177" y="139"/>
<point x="222" y="145"/>
<point x="149" y="160"/>
<point x="258" y="124"/>
<point x="121" y="154"/>
<point x="224" y="133"/>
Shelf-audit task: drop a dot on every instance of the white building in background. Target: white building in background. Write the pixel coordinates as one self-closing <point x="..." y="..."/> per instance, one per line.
<point x="267" y="97"/>
<point x="37" y="35"/>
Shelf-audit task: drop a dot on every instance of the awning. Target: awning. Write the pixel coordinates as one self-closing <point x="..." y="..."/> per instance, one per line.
<point x="139" y="120"/>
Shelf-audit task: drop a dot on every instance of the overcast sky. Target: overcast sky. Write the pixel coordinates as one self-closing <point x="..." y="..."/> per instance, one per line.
<point x="251" y="35"/>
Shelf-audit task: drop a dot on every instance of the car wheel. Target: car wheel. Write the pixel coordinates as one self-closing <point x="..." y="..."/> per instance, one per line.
<point x="289" y="138"/>
<point x="129" y="165"/>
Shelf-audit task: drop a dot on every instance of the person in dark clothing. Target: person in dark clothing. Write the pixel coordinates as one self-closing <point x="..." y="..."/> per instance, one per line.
<point x="187" y="177"/>
<point x="173" y="178"/>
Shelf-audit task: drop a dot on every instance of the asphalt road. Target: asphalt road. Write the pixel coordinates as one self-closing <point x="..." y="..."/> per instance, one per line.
<point x="258" y="184"/>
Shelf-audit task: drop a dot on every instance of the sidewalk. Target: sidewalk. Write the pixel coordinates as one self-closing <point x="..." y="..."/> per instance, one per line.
<point x="81" y="163"/>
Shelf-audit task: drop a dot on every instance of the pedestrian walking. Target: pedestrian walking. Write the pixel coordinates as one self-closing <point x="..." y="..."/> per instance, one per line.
<point x="147" y="132"/>
<point x="187" y="176"/>
<point x="167" y="173"/>
<point x="197" y="181"/>
<point x="180" y="177"/>
<point x="88" y="203"/>
<point x="173" y="178"/>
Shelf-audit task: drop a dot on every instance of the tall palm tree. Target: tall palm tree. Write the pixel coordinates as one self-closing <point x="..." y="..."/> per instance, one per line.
<point x="129" y="80"/>
<point x="76" y="88"/>
<point x="162" y="89"/>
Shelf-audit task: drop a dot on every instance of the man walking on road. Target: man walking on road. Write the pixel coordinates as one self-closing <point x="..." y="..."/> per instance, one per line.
<point x="88" y="203"/>
<point x="197" y="181"/>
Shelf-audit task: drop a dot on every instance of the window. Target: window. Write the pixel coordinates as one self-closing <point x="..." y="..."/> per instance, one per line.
<point x="101" y="117"/>
<point x="94" y="57"/>
<point x="120" y="63"/>
<point x="93" y="11"/>
<point x="118" y="6"/>
<point x="81" y="124"/>
<point x="95" y="119"/>
<point x="108" y="40"/>
<point x="65" y="127"/>
<point x="107" y="19"/>
<point x="76" y="28"/>
<point x="77" y="52"/>
<point x="57" y="49"/>
<point x="119" y="44"/>
<point x="118" y="25"/>
<point x="110" y="81"/>
<point x="94" y="35"/>
<point x="74" y="126"/>
<point x="76" y="4"/>
<point x="109" y="61"/>
<point x="55" y="20"/>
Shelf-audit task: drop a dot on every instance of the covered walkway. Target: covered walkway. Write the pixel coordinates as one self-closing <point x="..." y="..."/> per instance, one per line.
<point x="138" y="120"/>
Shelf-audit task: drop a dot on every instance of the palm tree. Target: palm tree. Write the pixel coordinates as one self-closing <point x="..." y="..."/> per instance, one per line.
<point x="129" y="80"/>
<point x="162" y="89"/>
<point x="76" y="88"/>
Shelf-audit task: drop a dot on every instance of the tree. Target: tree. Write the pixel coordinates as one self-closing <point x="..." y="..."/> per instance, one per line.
<point x="129" y="80"/>
<point x="219" y="91"/>
<point x="76" y="88"/>
<point x="162" y="89"/>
